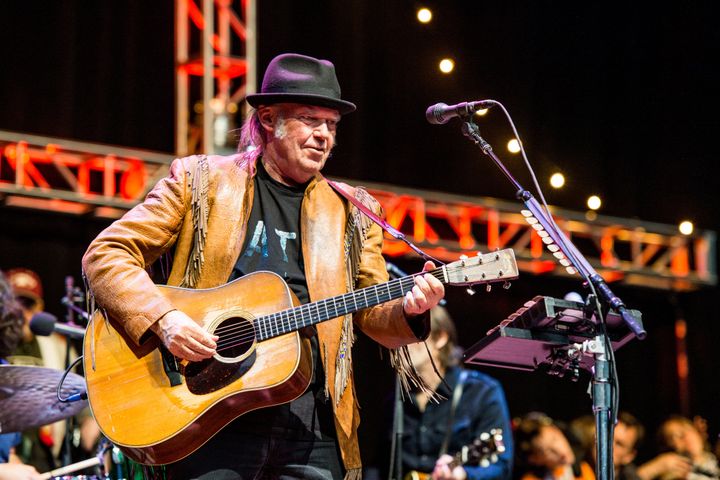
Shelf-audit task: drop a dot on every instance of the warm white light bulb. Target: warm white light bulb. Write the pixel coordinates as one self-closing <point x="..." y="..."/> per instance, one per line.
<point x="446" y="65"/>
<point x="513" y="146"/>
<point x="424" y="15"/>
<point x="557" y="180"/>
<point x="594" y="202"/>
<point x="686" y="227"/>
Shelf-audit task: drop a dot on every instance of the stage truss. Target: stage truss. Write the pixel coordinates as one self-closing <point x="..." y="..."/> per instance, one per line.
<point x="215" y="58"/>
<point x="105" y="181"/>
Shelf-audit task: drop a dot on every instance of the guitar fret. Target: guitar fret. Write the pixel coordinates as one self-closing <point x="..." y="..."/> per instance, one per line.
<point x="317" y="310"/>
<point x="307" y="316"/>
<point x="299" y="315"/>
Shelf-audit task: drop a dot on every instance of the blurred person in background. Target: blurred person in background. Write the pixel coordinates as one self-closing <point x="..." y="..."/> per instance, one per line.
<point x="681" y="436"/>
<point x="42" y="446"/>
<point x="11" y="330"/>
<point x="546" y="450"/>
<point x="467" y="404"/>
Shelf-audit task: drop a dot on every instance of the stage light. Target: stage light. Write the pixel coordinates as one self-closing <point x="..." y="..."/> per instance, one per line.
<point x="424" y="15"/>
<point x="481" y="112"/>
<point x="217" y="105"/>
<point x="557" y="180"/>
<point x="594" y="202"/>
<point x="446" y="65"/>
<point x="513" y="146"/>
<point x="686" y="227"/>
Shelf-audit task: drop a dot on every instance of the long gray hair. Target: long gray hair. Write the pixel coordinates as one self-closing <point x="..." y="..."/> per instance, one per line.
<point x="253" y="139"/>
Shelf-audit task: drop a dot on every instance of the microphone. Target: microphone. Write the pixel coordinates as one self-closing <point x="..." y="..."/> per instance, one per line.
<point x="442" y="113"/>
<point x="44" y="324"/>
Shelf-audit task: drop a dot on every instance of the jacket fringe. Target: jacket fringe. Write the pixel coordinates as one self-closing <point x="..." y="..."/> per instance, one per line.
<point x="410" y="379"/>
<point x="354" y="474"/>
<point x="199" y="205"/>
<point x="355" y="236"/>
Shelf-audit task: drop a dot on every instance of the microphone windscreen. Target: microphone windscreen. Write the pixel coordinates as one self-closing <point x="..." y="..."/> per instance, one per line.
<point x="43" y="323"/>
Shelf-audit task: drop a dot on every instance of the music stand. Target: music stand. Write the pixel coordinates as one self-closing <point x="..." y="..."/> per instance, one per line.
<point x="547" y="333"/>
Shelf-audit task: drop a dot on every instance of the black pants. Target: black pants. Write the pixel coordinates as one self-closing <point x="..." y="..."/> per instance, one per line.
<point x="262" y="453"/>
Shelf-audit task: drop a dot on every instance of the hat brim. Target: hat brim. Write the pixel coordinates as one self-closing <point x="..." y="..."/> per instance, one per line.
<point x="342" y="106"/>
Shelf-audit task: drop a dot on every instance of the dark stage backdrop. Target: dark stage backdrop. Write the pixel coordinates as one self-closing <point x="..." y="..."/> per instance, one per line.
<point x="621" y="97"/>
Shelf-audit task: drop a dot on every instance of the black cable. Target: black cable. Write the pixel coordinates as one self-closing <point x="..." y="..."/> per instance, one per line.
<point x="76" y="396"/>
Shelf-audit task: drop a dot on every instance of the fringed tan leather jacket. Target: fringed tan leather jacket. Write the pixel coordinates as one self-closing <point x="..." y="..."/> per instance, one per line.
<point x="201" y="208"/>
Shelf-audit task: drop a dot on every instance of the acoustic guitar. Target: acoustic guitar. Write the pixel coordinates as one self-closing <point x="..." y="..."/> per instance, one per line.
<point x="482" y="451"/>
<point x="158" y="409"/>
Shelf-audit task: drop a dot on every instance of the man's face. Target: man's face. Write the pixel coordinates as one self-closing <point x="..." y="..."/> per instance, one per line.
<point x="551" y="449"/>
<point x="683" y="438"/>
<point x="624" y="444"/>
<point x="301" y="139"/>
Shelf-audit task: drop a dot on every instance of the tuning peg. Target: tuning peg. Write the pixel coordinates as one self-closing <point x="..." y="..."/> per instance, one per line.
<point x="488" y="287"/>
<point x="470" y="291"/>
<point x="506" y="285"/>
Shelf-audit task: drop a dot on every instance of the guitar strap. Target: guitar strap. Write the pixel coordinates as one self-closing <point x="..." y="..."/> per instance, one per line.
<point x="395" y="233"/>
<point x="457" y="393"/>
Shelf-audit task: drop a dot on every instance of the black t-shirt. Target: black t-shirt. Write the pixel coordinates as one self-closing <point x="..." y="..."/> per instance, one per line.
<point x="273" y="243"/>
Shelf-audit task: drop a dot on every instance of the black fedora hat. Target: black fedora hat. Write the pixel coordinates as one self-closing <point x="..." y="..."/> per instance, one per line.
<point x="294" y="78"/>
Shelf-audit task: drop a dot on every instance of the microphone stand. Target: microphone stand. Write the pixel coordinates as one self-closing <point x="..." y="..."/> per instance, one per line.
<point x="396" y="450"/>
<point x="574" y="261"/>
<point x="398" y="432"/>
<point x="67" y="455"/>
<point x="69" y="301"/>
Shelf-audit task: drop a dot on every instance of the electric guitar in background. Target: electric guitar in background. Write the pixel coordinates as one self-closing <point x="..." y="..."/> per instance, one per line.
<point x="482" y="451"/>
<point x="158" y="409"/>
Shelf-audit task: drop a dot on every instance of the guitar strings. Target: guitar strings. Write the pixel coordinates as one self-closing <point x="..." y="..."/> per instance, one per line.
<point x="238" y="334"/>
<point x="243" y="332"/>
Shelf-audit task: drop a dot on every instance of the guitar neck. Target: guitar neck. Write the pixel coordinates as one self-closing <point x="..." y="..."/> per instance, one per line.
<point x="294" y="319"/>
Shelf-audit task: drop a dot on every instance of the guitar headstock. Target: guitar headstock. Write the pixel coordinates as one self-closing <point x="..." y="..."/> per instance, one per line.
<point x="483" y="268"/>
<point x="484" y="450"/>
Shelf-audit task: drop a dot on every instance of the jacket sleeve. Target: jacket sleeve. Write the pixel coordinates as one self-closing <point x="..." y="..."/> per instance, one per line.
<point x="385" y="323"/>
<point x="115" y="262"/>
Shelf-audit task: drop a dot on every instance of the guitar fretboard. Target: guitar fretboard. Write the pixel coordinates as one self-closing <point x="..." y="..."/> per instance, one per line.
<point x="294" y="319"/>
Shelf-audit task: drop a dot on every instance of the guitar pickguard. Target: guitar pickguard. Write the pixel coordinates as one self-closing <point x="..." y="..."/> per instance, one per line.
<point x="210" y="375"/>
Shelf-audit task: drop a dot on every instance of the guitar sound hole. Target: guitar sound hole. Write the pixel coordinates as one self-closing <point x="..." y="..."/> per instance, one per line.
<point x="237" y="335"/>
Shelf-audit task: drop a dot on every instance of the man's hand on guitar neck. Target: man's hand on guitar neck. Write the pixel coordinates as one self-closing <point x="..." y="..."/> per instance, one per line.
<point x="427" y="292"/>
<point x="446" y="470"/>
<point x="183" y="337"/>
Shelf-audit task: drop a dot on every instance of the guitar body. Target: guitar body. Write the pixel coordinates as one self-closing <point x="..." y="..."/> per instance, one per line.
<point x="158" y="410"/>
<point x="158" y="414"/>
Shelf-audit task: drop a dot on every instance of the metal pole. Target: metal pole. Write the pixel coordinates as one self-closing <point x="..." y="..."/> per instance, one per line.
<point x="602" y="408"/>
<point x="207" y="78"/>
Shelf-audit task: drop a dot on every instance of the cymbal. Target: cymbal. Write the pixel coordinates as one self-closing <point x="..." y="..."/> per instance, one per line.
<point x="28" y="398"/>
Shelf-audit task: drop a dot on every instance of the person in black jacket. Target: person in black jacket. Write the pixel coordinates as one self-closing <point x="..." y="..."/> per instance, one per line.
<point x="436" y="429"/>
